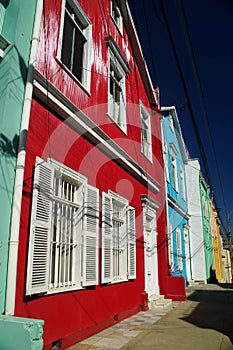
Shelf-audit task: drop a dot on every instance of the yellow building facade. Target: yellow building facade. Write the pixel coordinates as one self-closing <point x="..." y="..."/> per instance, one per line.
<point x="217" y="244"/>
<point x="227" y="261"/>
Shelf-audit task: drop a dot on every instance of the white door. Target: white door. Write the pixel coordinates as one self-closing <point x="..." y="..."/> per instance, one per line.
<point x="151" y="256"/>
<point x="187" y="254"/>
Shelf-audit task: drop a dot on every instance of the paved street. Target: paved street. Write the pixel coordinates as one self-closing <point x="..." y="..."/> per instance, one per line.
<point x="204" y="321"/>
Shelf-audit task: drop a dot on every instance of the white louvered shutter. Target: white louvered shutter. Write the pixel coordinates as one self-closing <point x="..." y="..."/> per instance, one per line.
<point x="77" y="238"/>
<point x="131" y="243"/>
<point x="123" y="263"/>
<point x="106" y="239"/>
<point x="90" y="235"/>
<point x="40" y="229"/>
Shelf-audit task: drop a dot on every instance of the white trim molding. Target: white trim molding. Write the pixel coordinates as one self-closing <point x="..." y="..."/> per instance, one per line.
<point x="148" y="201"/>
<point x="76" y="119"/>
<point x="111" y="43"/>
<point x="172" y="202"/>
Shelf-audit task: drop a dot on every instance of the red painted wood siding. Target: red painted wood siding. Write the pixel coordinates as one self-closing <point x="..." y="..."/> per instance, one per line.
<point x="75" y="315"/>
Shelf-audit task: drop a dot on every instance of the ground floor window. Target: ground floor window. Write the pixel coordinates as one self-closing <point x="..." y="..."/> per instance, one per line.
<point x="63" y="232"/>
<point x="118" y="239"/>
<point x="179" y="249"/>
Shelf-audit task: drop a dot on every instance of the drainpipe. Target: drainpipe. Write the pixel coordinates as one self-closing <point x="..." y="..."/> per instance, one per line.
<point x="19" y="175"/>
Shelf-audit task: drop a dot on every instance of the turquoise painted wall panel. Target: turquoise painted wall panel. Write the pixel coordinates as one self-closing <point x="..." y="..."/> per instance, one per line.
<point x="207" y="231"/>
<point x="2" y="13"/>
<point x="21" y="333"/>
<point x="13" y="71"/>
<point x="175" y="191"/>
<point x="178" y="221"/>
<point x="171" y="138"/>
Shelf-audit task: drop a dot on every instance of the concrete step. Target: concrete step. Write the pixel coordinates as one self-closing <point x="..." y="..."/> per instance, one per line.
<point x="193" y="283"/>
<point x="159" y="303"/>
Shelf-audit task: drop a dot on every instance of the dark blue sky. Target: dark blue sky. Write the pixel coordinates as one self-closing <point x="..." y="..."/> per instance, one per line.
<point x="210" y="28"/>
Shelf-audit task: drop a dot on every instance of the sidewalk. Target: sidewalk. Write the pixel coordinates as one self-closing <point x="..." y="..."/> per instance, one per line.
<point x="115" y="337"/>
<point x="204" y="322"/>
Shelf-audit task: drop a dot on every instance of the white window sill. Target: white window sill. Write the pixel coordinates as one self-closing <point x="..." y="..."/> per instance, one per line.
<point x="64" y="289"/>
<point x="120" y="127"/>
<point x="120" y="280"/>
<point x="85" y="88"/>
<point x="148" y="157"/>
<point x="119" y="28"/>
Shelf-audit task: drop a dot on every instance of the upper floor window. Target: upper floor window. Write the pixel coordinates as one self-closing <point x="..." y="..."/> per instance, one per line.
<point x="182" y="184"/>
<point x="76" y="42"/>
<point x="174" y="153"/>
<point x="165" y="157"/>
<point x="171" y="122"/>
<point x="63" y="233"/>
<point x="116" y="15"/>
<point x="118" y="239"/>
<point x="145" y="132"/>
<point x="118" y="68"/>
<point x="204" y="205"/>
<point x="206" y="208"/>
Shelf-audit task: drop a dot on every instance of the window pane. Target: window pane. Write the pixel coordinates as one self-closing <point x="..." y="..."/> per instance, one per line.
<point x="64" y="231"/>
<point x="78" y="54"/>
<point x="111" y="86"/>
<point x="117" y="93"/>
<point x="67" y="42"/>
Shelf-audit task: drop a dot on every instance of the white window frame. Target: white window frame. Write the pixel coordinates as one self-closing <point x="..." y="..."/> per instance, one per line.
<point x="171" y="122"/>
<point x="206" y="208"/>
<point x="116" y="15"/>
<point x="170" y="248"/>
<point x="146" y="139"/>
<point x="63" y="248"/>
<point x="174" y="153"/>
<point x="86" y="32"/>
<point x="204" y="205"/>
<point x="182" y="184"/>
<point x="165" y="153"/>
<point x="118" y="239"/>
<point x="118" y="68"/>
<point x="179" y="249"/>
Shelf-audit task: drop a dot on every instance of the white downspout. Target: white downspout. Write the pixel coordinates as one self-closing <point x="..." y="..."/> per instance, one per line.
<point x="19" y="175"/>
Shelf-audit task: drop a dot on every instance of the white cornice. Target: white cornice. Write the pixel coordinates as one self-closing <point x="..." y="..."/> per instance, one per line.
<point x="111" y="43"/>
<point x="177" y="207"/>
<point x="179" y="135"/>
<point x="147" y="200"/>
<point x="76" y="119"/>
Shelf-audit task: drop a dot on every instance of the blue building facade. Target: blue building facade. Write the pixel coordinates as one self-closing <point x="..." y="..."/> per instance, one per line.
<point x="175" y="156"/>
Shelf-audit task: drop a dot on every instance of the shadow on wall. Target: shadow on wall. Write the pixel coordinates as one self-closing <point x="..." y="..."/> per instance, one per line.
<point x="8" y="147"/>
<point x="212" y="278"/>
<point x="215" y="311"/>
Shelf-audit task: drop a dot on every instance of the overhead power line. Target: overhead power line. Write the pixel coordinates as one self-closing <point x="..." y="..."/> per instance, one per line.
<point x="181" y="13"/>
<point x="186" y="92"/>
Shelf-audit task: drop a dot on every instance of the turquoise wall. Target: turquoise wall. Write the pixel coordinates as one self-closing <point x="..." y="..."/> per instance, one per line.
<point x="175" y="218"/>
<point x="207" y="231"/>
<point x="17" y="25"/>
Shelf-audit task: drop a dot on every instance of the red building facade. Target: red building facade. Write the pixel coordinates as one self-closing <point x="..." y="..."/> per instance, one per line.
<point x="93" y="172"/>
